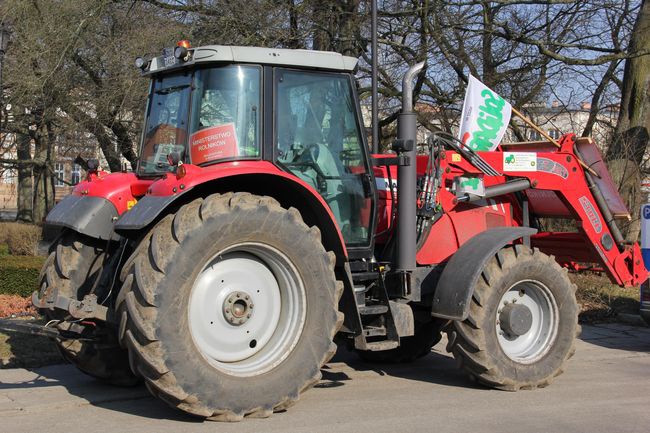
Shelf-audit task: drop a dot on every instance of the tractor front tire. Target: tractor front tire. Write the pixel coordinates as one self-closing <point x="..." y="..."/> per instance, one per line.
<point x="73" y="267"/>
<point x="231" y="307"/>
<point x="522" y="324"/>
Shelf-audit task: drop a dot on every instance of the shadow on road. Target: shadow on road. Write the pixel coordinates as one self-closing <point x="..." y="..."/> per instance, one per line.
<point x="64" y="385"/>
<point x="434" y="368"/>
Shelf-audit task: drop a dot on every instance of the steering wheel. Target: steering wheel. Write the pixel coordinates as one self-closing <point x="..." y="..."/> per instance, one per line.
<point x="309" y="155"/>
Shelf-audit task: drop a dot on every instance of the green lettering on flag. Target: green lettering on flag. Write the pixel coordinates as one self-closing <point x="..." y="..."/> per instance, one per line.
<point x="490" y="121"/>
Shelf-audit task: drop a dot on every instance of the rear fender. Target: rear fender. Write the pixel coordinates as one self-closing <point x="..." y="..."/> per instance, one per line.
<point x="453" y="293"/>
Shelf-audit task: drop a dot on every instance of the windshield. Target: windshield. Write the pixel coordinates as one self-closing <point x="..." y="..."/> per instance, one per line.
<point x="166" y="128"/>
<point x="225" y="111"/>
<point x="223" y="123"/>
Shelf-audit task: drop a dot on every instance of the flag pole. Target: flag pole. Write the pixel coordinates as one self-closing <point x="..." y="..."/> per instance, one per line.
<point x="535" y="127"/>
<point x="549" y="138"/>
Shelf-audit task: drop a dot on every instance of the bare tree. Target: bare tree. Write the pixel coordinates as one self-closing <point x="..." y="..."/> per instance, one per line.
<point x="631" y="135"/>
<point x="70" y="69"/>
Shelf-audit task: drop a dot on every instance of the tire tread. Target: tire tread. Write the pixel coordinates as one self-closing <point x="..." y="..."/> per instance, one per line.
<point x="147" y="356"/>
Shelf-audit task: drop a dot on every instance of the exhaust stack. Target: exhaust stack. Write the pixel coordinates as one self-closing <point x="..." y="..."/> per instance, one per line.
<point x="405" y="146"/>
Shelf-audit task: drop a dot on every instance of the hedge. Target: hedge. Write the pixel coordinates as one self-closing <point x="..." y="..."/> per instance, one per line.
<point x="21" y="239"/>
<point x="19" y="274"/>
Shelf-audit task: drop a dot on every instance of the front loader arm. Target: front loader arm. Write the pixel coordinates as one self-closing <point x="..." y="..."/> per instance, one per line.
<point x="559" y="188"/>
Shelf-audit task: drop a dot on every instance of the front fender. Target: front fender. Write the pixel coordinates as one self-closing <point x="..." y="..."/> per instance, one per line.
<point x="453" y="294"/>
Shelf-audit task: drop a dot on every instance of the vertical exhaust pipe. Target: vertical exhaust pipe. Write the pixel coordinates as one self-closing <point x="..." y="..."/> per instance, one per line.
<point x="406" y="177"/>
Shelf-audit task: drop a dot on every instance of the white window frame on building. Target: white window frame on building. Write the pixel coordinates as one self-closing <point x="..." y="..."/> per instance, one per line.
<point x="59" y="174"/>
<point x="9" y="175"/>
<point x="535" y="135"/>
<point x="555" y="134"/>
<point x="75" y="175"/>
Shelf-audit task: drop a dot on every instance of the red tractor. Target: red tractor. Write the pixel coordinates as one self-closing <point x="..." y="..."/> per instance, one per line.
<point x="257" y="230"/>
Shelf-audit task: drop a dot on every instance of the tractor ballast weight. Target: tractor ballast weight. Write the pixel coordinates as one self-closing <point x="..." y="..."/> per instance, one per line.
<point x="257" y="226"/>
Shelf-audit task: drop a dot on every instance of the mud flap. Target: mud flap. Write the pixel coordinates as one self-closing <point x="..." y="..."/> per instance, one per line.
<point x="91" y="216"/>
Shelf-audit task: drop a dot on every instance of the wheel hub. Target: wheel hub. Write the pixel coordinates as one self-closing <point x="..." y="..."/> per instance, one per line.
<point x="237" y="308"/>
<point x="247" y="309"/>
<point x="526" y="321"/>
<point x="516" y="319"/>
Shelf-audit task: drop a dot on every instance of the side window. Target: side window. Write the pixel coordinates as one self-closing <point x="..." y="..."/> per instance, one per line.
<point x="319" y="140"/>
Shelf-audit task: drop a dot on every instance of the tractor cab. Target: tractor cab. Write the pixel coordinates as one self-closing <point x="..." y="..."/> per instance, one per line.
<point x="295" y="109"/>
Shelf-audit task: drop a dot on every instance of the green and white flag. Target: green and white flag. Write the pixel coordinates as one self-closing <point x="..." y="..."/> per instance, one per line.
<point x="485" y="117"/>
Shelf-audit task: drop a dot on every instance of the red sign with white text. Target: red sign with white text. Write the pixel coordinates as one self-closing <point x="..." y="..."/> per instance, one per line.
<point x="213" y="143"/>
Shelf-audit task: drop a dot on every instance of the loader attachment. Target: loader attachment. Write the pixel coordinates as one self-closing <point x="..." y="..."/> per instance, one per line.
<point x="549" y="205"/>
<point x="592" y="200"/>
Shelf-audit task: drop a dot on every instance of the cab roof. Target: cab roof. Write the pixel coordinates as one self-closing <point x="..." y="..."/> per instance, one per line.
<point x="268" y="56"/>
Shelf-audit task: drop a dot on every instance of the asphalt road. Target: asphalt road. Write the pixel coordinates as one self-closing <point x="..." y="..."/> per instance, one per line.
<point x="605" y="389"/>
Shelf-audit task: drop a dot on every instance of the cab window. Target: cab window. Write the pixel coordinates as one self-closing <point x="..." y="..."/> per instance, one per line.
<point x="225" y="113"/>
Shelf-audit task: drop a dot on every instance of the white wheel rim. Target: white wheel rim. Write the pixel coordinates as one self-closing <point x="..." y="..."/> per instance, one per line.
<point x="537" y="341"/>
<point x="258" y="335"/>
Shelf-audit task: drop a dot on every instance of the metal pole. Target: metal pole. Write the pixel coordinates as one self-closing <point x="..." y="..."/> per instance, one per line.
<point x="374" y="99"/>
<point x="4" y="41"/>
<point x="2" y="107"/>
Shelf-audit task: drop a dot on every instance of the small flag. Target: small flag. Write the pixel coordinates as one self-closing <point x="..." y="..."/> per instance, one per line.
<point x="485" y="117"/>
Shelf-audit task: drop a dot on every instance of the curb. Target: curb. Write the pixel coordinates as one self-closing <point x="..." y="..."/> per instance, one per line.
<point x="631" y="319"/>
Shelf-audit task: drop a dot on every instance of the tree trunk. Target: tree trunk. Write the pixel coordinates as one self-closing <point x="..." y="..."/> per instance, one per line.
<point x="124" y="142"/>
<point x="630" y="139"/>
<point x="631" y="134"/>
<point x="24" y="195"/>
<point x="96" y="128"/>
<point x="42" y="188"/>
<point x="43" y="181"/>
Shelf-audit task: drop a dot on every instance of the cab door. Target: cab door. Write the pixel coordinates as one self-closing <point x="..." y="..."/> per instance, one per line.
<point x="318" y="138"/>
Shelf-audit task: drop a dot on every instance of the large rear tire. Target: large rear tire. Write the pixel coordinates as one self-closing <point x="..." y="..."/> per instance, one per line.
<point x="73" y="268"/>
<point x="522" y="324"/>
<point x="231" y="307"/>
